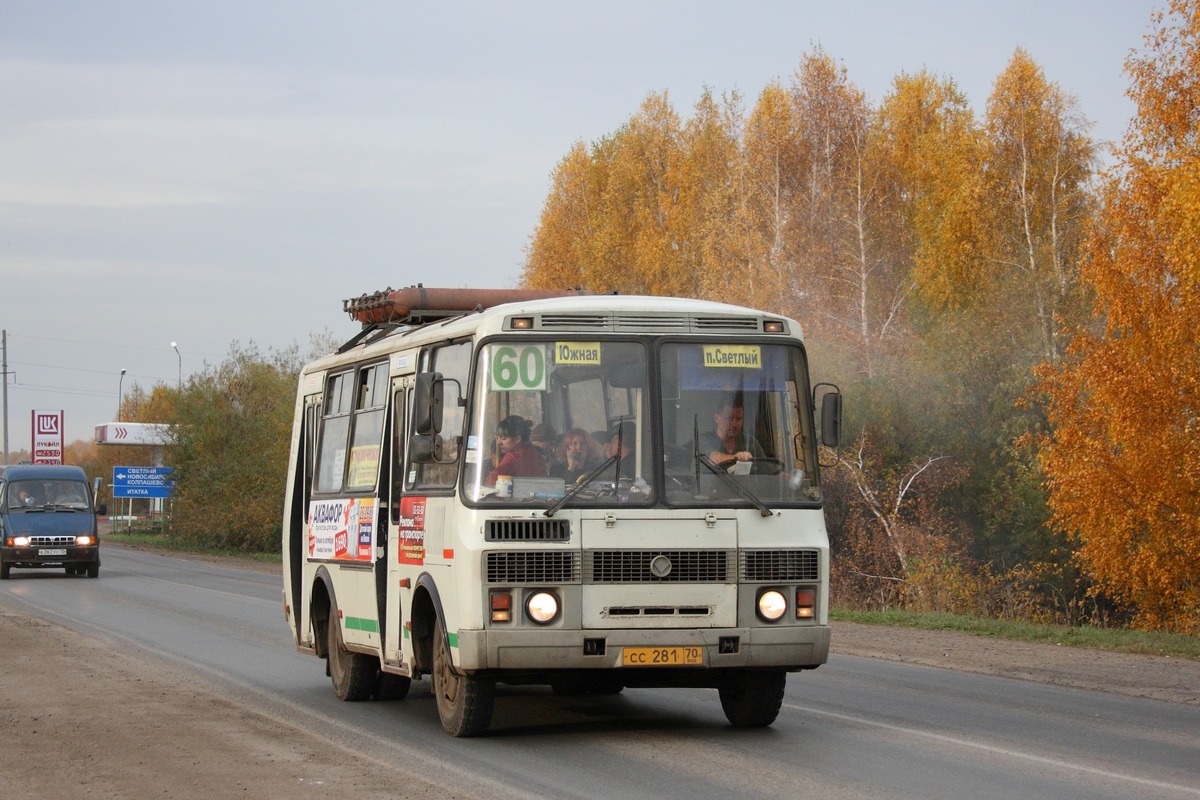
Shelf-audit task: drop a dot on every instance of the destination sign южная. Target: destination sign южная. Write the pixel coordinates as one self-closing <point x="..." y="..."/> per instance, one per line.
<point x="576" y="353"/>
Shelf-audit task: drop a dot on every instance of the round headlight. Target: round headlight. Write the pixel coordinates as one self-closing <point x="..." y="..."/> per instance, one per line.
<point x="771" y="605"/>
<point x="542" y="607"/>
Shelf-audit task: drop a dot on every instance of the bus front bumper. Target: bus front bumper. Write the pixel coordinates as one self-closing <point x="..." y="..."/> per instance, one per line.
<point x="785" y="647"/>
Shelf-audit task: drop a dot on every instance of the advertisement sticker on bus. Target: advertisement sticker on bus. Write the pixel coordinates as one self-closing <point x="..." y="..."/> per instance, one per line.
<point x="341" y="530"/>
<point x="412" y="531"/>
<point x="364" y="465"/>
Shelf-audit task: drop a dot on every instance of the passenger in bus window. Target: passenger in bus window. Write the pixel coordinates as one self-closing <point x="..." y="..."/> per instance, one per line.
<point x="545" y="439"/>
<point x="518" y="456"/>
<point x="579" y="457"/>
<point x="728" y="441"/>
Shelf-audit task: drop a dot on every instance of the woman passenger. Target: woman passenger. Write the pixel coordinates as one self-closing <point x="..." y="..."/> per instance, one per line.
<point x="518" y="457"/>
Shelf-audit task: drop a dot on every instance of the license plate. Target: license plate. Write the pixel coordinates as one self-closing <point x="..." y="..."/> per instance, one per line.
<point x="662" y="656"/>
<point x="57" y="551"/>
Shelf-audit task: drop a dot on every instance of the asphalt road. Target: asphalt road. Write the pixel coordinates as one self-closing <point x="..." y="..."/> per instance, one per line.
<point x="855" y="728"/>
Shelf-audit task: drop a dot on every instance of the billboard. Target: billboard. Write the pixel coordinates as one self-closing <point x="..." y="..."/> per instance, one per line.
<point x="47" y="428"/>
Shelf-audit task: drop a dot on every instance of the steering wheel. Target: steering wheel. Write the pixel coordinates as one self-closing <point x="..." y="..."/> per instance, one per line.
<point x="759" y="465"/>
<point x="765" y="465"/>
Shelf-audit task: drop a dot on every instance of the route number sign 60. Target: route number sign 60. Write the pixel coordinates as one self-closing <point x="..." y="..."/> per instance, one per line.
<point x="517" y="368"/>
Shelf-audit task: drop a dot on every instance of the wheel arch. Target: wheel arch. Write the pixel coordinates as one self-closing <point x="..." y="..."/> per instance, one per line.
<point x="426" y="608"/>
<point x="322" y="601"/>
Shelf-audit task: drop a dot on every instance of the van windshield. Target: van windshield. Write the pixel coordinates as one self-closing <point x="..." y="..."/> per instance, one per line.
<point x="42" y="493"/>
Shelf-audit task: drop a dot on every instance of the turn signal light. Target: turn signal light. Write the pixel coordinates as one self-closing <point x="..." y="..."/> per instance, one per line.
<point x="501" y="607"/>
<point x="806" y="603"/>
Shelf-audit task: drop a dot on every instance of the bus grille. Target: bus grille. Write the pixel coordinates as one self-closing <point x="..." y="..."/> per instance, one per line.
<point x="530" y="566"/>
<point x="527" y="530"/>
<point x="770" y="566"/>
<point x="655" y="566"/>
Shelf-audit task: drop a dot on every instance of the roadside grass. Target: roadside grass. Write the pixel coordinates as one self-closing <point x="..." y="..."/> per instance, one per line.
<point x="1124" y="640"/>
<point x="152" y="537"/>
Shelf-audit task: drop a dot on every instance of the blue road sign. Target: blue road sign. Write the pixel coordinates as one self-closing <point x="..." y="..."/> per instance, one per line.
<point x="142" y="482"/>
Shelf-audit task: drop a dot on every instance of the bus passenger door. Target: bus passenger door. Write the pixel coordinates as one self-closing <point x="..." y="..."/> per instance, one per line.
<point x="297" y="549"/>
<point x="396" y="597"/>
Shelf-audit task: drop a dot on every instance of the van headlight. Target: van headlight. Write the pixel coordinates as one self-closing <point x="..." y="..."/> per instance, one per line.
<point x="84" y="540"/>
<point x="20" y="541"/>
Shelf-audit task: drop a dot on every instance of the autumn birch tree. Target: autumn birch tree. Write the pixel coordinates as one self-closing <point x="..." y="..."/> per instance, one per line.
<point x="1123" y="460"/>
<point x="1039" y="163"/>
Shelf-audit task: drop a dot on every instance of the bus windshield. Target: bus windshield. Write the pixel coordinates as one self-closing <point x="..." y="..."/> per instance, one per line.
<point x="736" y="424"/>
<point x="553" y="416"/>
<point x="571" y="419"/>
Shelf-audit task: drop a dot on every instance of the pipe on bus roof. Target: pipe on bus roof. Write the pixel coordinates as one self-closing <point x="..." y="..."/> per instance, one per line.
<point x="420" y="304"/>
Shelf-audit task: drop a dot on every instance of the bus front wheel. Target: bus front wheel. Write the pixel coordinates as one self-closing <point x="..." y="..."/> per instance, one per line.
<point x="464" y="702"/>
<point x="353" y="674"/>
<point x="752" y="699"/>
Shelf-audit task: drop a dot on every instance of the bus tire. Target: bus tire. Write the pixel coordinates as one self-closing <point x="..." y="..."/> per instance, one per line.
<point x="353" y="674"/>
<point x="464" y="702"/>
<point x="391" y="686"/>
<point x="93" y="570"/>
<point x="752" y="699"/>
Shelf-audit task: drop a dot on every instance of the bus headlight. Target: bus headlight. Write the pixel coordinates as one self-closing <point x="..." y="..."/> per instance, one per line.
<point x="542" y="607"/>
<point x="772" y="605"/>
<point x="83" y="540"/>
<point x="18" y="541"/>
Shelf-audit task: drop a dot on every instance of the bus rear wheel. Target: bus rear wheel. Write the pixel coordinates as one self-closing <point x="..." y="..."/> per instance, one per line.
<point x="464" y="702"/>
<point x="752" y="699"/>
<point x="353" y="674"/>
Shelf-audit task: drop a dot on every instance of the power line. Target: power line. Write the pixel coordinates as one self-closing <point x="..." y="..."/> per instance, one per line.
<point x="57" y="389"/>
<point x="79" y="369"/>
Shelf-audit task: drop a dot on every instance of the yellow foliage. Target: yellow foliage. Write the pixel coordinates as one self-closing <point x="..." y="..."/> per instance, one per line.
<point x="1123" y="462"/>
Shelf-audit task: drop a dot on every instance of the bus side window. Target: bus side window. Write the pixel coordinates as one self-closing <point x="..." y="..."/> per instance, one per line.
<point x="335" y="429"/>
<point x="453" y="361"/>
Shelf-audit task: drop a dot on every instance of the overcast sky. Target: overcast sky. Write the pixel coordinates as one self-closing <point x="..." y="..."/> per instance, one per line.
<point x="212" y="172"/>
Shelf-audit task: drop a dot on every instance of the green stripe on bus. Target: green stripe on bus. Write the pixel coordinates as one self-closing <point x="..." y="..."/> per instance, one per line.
<point x="453" y="637"/>
<point x="362" y="624"/>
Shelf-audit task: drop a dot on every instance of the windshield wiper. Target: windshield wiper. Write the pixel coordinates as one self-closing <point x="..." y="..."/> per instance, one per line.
<point x="737" y="487"/>
<point x="581" y="484"/>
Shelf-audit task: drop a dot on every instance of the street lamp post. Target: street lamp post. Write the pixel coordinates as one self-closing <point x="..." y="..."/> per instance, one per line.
<point x="175" y="347"/>
<point x="120" y="383"/>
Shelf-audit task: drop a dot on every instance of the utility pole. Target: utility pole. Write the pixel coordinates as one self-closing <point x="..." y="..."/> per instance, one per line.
<point x="4" y="374"/>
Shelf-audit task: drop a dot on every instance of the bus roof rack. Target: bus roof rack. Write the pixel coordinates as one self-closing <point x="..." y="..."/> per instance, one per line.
<point x="418" y="305"/>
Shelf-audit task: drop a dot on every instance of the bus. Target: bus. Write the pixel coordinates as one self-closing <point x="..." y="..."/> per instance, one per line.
<point x="660" y="562"/>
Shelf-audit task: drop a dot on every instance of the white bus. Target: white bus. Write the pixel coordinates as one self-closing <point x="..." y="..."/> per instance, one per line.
<point x="416" y="541"/>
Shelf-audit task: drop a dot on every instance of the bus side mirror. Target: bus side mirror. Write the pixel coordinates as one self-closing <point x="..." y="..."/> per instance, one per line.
<point x="831" y="415"/>
<point x="102" y="510"/>
<point x="428" y="400"/>
<point x="425" y="448"/>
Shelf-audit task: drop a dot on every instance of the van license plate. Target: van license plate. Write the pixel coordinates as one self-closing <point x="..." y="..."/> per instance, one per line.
<point x="57" y="551"/>
<point x="662" y="656"/>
